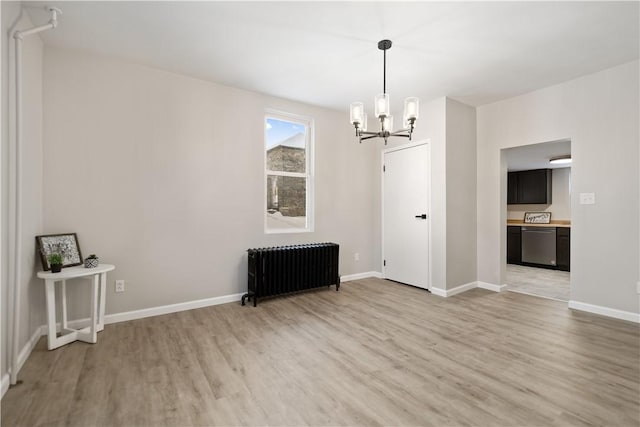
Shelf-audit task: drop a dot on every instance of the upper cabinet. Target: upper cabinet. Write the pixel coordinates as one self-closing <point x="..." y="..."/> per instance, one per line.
<point x="529" y="187"/>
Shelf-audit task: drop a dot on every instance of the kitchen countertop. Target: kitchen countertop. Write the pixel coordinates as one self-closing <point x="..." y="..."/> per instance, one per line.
<point x="554" y="223"/>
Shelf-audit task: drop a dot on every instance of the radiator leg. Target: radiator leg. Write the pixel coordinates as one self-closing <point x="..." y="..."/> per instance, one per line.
<point x="338" y="285"/>
<point x="245" y="296"/>
<point x="255" y="300"/>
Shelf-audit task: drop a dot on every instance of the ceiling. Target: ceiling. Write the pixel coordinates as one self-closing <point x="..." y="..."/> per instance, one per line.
<point x="325" y="53"/>
<point x="536" y="156"/>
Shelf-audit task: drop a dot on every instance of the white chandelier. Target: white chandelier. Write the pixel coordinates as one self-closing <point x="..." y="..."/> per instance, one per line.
<point x="382" y="110"/>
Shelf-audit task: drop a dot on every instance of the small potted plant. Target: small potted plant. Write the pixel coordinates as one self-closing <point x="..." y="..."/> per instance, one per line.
<point x="55" y="261"/>
<point x="91" y="261"/>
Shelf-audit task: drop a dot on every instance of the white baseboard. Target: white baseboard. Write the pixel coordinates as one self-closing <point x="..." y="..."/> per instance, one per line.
<point x="491" y="286"/>
<point x="605" y="311"/>
<point x="22" y="357"/>
<point x="171" y="308"/>
<point x="451" y="292"/>
<point x="439" y="292"/>
<point x="358" y="276"/>
<point x="4" y="385"/>
<point x="467" y="286"/>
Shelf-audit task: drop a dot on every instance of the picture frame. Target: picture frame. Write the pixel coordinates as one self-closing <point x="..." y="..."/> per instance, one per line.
<point x="65" y="244"/>
<point x="537" y="217"/>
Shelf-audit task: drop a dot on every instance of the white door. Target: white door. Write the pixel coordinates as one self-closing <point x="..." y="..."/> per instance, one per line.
<point x="405" y="221"/>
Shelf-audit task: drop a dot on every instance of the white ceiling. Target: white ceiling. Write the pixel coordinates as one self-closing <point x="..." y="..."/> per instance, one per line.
<point x="325" y="53"/>
<point x="536" y="156"/>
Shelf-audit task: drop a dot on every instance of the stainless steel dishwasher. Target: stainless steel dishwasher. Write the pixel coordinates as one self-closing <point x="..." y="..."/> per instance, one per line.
<point x="539" y="245"/>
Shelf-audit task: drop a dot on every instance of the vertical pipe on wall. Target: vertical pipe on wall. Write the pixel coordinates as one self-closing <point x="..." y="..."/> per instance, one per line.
<point x="17" y="225"/>
<point x="17" y="258"/>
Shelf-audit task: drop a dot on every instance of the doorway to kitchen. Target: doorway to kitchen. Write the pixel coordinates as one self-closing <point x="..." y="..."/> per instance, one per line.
<point x="538" y="206"/>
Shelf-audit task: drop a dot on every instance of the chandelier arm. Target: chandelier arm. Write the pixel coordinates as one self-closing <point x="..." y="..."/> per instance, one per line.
<point x="369" y="137"/>
<point x="400" y="132"/>
<point x="364" y="132"/>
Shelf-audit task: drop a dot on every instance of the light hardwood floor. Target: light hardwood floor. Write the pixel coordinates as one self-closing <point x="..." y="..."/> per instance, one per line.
<point x="375" y="353"/>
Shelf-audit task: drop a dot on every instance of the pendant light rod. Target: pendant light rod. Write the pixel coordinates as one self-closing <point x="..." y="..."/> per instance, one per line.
<point x="384" y="45"/>
<point x="384" y="71"/>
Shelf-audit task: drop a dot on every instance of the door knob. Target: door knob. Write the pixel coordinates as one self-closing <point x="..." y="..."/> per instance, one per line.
<point x="423" y="216"/>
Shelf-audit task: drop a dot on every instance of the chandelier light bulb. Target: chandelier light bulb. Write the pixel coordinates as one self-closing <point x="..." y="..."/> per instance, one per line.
<point x="411" y="108"/>
<point x="357" y="112"/>
<point x="387" y="124"/>
<point x="382" y="105"/>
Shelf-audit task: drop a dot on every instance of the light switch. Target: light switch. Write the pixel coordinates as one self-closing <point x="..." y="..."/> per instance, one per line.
<point x="587" y="198"/>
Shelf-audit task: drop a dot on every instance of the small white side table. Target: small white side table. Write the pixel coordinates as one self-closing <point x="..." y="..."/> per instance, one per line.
<point x="98" y="278"/>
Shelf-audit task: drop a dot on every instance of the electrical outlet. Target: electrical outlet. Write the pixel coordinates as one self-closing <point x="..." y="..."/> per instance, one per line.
<point x="119" y="285"/>
<point x="356" y="256"/>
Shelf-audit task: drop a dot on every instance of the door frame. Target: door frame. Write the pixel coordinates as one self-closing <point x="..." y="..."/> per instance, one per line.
<point x="426" y="142"/>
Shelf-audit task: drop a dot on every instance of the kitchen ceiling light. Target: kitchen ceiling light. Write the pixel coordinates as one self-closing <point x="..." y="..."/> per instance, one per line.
<point x="382" y="110"/>
<point x="561" y="160"/>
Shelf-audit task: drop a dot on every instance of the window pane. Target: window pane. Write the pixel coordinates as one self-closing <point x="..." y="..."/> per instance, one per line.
<point x="286" y="146"/>
<point x="286" y="202"/>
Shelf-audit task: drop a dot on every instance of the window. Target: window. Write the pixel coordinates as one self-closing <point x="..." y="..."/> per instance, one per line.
<point x="288" y="173"/>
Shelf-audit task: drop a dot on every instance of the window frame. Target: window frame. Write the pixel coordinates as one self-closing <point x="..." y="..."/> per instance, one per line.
<point x="308" y="123"/>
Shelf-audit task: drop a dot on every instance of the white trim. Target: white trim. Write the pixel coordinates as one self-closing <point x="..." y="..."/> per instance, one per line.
<point x="28" y="347"/>
<point x="358" y="276"/>
<point x="455" y="291"/>
<point x="466" y="287"/>
<point x="4" y="385"/>
<point x="426" y="142"/>
<point x="23" y="356"/>
<point x="171" y="308"/>
<point x="460" y="289"/>
<point x="491" y="286"/>
<point x="605" y="311"/>
<point x="438" y="292"/>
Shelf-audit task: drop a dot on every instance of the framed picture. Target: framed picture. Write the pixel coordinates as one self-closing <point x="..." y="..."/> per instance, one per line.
<point x="537" y="217"/>
<point x="63" y="244"/>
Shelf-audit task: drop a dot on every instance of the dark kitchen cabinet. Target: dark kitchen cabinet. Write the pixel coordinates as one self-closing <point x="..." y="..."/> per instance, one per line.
<point x="512" y="188"/>
<point x="529" y="187"/>
<point x="563" y="248"/>
<point x="514" y="245"/>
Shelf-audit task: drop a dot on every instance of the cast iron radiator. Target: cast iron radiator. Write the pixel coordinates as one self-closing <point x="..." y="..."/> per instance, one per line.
<point x="286" y="269"/>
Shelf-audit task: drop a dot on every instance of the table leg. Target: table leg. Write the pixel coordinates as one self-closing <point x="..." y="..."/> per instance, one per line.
<point x="93" y="329"/>
<point x="63" y="288"/>
<point x="103" y="297"/>
<point x="51" y="313"/>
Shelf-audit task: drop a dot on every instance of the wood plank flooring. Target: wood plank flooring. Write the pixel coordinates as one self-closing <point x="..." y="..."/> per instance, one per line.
<point x="375" y="353"/>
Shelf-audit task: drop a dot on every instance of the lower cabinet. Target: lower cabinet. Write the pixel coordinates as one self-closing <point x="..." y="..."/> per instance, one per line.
<point x="563" y="248"/>
<point x="514" y="244"/>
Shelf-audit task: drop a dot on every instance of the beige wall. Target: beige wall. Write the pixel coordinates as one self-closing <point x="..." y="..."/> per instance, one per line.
<point x="599" y="114"/>
<point x="32" y="294"/>
<point x="162" y="175"/>
<point x="560" y="207"/>
<point x="461" y="202"/>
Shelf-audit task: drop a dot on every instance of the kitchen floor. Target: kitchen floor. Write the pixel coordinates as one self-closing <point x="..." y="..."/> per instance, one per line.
<point x="539" y="282"/>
